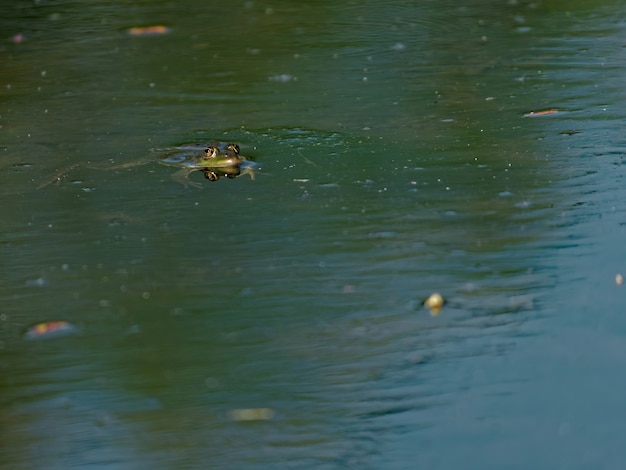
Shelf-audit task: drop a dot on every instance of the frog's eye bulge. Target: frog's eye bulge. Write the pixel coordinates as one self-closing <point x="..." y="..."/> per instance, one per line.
<point x="210" y="152"/>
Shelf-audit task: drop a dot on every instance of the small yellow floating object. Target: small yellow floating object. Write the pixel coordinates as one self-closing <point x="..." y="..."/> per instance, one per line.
<point x="434" y="303"/>
<point x="252" y="414"/>
<point x="619" y="279"/>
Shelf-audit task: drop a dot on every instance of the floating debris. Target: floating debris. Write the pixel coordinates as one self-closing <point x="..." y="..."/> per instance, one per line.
<point x="434" y="303"/>
<point x="148" y="30"/>
<point x="50" y="329"/>
<point x="19" y="166"/>
<point x="547" y="112"/>
<point x="619" y="279"/>
<point x="283" y="78"/>
<point x="252" y="414"/>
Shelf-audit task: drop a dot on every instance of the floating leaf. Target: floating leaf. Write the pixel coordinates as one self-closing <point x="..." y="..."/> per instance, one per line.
<point x="148" y="30"/>
<point x="252" y="414"/>
<point x="50" y="329"/>
<point x="547" y="112"/>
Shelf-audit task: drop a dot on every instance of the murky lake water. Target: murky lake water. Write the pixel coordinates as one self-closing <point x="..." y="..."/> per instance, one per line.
<point x="277" y="322"/>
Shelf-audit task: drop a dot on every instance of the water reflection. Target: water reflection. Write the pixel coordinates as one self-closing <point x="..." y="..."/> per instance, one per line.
<point x="396" y="163"/>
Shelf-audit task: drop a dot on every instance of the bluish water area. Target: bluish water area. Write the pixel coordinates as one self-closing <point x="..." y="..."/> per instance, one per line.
<point x="474" y="150"/>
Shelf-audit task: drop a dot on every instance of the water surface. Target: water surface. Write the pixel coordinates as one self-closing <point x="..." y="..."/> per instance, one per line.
<point x="395" y="161"/>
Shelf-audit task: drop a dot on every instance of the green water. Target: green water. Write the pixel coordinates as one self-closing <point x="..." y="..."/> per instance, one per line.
<point x="395" y="161"/>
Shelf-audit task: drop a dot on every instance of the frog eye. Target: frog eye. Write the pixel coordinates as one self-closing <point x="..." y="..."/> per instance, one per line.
<point x="210" y="152"/>
<point x="233" y="148"/>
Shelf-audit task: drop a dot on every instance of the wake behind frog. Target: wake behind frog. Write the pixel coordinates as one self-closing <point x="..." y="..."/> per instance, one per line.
<point x="214" y="160"/>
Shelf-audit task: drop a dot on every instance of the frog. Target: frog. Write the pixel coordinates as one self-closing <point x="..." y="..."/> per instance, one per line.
<point x="214" y="160"/>
<point x="217" y="159"/>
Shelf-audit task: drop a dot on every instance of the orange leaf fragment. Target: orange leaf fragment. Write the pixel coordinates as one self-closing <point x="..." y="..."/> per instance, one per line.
<point x="547" y="112"/>
<point x="148" y="30"/>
